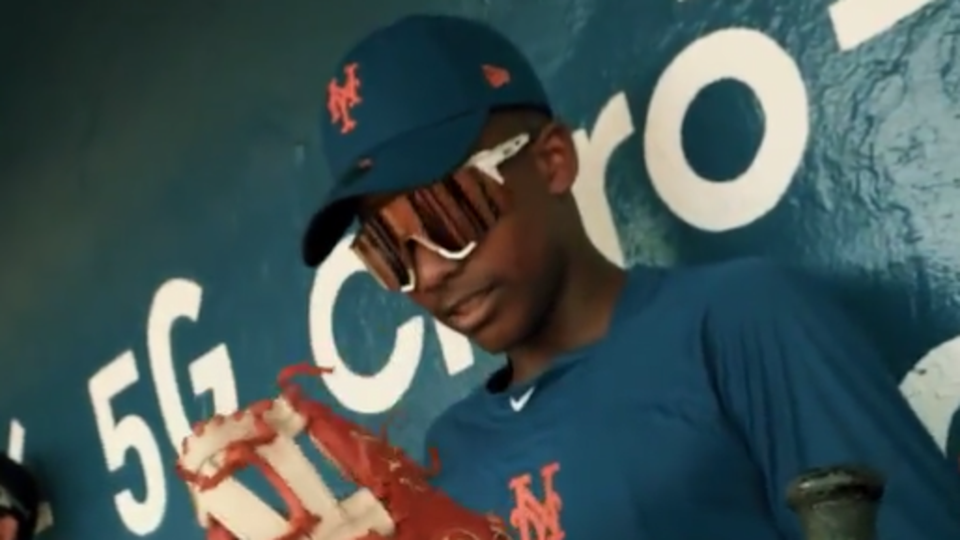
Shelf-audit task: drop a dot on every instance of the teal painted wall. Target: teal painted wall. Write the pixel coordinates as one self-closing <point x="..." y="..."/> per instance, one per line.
<point x="158" y="162"/>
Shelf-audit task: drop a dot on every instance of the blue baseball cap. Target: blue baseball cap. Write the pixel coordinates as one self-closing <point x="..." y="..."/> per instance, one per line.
<point x="405" y="106"/>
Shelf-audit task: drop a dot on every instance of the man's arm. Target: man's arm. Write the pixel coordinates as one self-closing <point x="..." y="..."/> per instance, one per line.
<point x="807" y="389"/>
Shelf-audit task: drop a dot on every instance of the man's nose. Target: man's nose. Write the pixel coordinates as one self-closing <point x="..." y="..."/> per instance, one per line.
<point x="432" y="270"/>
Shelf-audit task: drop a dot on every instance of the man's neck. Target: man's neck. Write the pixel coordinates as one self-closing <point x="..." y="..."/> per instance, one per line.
<point x="581" y="315"/>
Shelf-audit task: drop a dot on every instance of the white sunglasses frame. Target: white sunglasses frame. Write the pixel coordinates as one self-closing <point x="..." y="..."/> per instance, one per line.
<point x="488" y="162"/>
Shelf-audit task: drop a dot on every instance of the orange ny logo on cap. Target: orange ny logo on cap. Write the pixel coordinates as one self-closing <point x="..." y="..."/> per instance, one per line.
<point x="341" y="98"/>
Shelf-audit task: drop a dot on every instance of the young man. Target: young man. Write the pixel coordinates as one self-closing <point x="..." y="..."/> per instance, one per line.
<point x="659" y="404"/>
<point x="19" y="501"/>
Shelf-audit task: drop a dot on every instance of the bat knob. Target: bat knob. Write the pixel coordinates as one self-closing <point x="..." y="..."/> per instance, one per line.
<point x="838" y="502"/>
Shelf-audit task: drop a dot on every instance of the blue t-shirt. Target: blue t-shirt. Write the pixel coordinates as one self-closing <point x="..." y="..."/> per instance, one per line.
<point x="713" y="388"/>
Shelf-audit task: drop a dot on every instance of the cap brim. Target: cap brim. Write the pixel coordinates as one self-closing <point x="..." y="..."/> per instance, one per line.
<point x="411" y="161"/>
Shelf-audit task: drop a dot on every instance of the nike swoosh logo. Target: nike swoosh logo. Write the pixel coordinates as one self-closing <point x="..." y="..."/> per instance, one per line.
<point x="517" y="404"/>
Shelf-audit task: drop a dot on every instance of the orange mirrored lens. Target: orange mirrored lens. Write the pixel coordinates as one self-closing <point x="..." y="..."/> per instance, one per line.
<point x="385" y="266"/>
<point x="446" y="216"/>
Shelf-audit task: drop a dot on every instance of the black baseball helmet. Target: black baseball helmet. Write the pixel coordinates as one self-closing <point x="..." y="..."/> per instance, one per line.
<point x="19" y="496"/>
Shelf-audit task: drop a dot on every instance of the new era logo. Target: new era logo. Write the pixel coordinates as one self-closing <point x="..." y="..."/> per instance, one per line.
<point x="495" y="76"/>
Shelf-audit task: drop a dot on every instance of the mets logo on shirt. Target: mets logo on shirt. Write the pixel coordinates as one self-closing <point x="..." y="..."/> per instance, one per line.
<point x="537" y="517"/>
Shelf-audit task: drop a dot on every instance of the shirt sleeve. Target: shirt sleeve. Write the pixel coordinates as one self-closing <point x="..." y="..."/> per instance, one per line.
<point x="806" y="389"/>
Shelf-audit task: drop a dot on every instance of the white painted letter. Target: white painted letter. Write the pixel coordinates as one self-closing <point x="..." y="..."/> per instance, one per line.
<point x="368" y="394"/>
<point x="128" y="436"/>
<point x="858" y="21"/>
<point x="212" y="372"/>
<point x="933" y="389"/>
<point x="614" y="124"/>
<point x="371" y="394"/>
<point x="754" y="59"/>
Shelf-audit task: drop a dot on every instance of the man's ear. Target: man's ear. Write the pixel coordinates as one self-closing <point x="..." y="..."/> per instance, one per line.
<point x="8" y="528"/>
<point x="556" y="156"/>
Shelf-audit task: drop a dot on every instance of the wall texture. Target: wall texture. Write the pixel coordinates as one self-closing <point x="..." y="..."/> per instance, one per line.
<point x="158" y="162"/>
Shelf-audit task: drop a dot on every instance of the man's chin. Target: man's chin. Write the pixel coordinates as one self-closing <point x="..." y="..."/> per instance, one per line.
<point x="500" y="333"/>
<point x="491" y="339"/>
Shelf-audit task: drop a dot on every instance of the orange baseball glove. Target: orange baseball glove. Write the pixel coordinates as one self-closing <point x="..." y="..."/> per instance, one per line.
<point x="394" y="499"/>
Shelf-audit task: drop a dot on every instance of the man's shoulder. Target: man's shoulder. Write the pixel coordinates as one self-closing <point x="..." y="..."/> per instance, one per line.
<point x="446" y="426"/>
<point x="733" y="292"/>
<point x="757" y="293"/>
<point x="740" y="271"/>
<point x="742" y="280"/>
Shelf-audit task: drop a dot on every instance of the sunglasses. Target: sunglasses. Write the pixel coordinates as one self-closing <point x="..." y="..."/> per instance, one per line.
<point x="449" y="217"/>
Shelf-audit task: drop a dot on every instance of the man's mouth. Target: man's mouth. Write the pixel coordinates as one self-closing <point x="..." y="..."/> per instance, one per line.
<point x="471" y="311"/>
